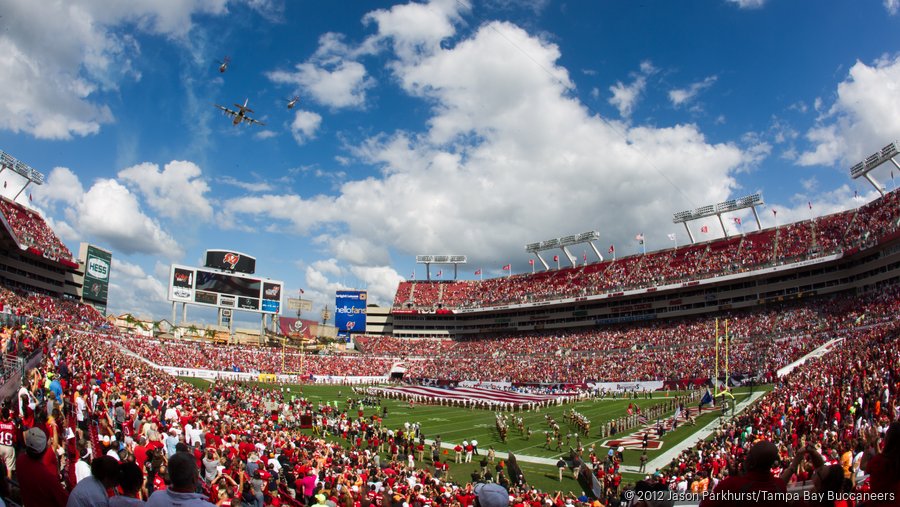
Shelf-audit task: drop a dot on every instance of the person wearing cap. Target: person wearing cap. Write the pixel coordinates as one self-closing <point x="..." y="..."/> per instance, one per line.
<point x="83" y="466"/>
<point x="490" y="495"/>
<point x="757" y="477"/>
<point x="184" y="474"/>
<point x="91" y="492"/>
<point x="39" y="486"/>
<point x="321" y="500"/>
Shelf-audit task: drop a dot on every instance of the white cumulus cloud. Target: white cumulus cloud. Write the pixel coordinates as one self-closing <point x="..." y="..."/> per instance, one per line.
<point x="177" y="191"/>
<point x="864" y="117"/>
<point x="305" y="126"/>
<point x="508" y="156"/>
<point x="60" y="56"/>
<point x="110" y="212"/>
<point x="682" y="96"/>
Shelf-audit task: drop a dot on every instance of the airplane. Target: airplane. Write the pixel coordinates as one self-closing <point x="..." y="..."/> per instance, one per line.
<point x="293" y="102"/>
<point x="224" y="65"/>
<point x="241" y="114"/>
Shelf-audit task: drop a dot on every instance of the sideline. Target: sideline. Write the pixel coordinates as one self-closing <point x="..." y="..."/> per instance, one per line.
<point x="672" y="452"/>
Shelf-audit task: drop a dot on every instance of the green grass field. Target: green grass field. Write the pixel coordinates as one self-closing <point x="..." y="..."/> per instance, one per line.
<point x="455" y="424"/>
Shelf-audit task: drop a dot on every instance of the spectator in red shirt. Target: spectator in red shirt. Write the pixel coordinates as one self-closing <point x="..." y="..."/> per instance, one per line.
<point x="884" y="468"/>
<point x="757" y="477"/>
<point x="38" y="485"/>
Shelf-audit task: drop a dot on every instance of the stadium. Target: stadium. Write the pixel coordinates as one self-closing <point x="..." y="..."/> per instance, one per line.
<point x="672" y="364"/>
<point x="655" y="253"/>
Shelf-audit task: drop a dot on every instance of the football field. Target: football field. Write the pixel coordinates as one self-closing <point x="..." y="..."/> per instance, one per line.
<point x="455" y="424"/>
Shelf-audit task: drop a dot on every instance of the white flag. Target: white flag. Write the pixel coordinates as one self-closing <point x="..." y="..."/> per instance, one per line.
<point x="671" y="237"/>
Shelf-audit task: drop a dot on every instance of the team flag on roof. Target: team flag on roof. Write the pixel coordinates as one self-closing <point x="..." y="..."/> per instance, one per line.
<point x="440" y="273"/>
<point x="737" y="220"/>
<point x="477" y="271"/>
<point x="639" y="238"/>
<point x="672" y="237"/>
<point x="704" y="229"/>
<point x="531" y="261"/>
<point x="507" y="267"/>
<point x="612" y="249"/>
<point x="555" y="258"/>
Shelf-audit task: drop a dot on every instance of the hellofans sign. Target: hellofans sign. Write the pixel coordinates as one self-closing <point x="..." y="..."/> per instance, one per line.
<point x="350" y="312"/>
<point x="296" y="328"/>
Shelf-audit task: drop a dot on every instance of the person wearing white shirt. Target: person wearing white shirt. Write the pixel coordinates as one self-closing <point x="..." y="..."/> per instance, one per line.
<point x="83" y="467"/>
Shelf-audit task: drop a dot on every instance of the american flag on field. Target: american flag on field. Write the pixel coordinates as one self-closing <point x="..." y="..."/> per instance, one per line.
<point x="642" y="419"/>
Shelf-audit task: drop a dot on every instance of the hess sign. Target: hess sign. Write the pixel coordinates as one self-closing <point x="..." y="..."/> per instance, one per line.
<point x="98" y="268"/>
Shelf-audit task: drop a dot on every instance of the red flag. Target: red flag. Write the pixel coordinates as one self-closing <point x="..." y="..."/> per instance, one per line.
<point x="440" y="272"/>
<point x="478" y="272"/>
<point x="302" y="291"/>
<point x="508" y="267"/>
<point x="774" y="212"/>
<point x="531" y="261"/>
<point x="30" y="198"/>
<point x="810" y="204"/>
<point x="704" y="229"/>
<point x="737" y="220"/>
<point x="555" y="258"/>
<point x="612" y="249"/>
<point x="584" y="256"/>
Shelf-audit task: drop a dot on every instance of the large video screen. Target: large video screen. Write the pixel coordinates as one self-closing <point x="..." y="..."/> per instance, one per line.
<point x="228" y="284"/>
<point x="222" y="290"/>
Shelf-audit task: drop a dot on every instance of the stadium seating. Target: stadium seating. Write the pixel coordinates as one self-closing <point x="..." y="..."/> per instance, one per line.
<point x="30" y="230"/>
<point x="840" y="403"/>
<point x="830" y="402"/>
<point x="787" y="243"/>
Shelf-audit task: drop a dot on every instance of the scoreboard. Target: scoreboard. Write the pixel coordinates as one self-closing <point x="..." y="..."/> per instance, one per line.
<point x="224" y="290"/>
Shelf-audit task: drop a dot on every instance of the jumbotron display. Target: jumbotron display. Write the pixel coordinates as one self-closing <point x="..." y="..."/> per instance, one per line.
<point x="224" y="290"/>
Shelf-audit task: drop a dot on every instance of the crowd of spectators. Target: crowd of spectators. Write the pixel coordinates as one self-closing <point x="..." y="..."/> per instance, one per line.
<point x="98" y="427"/>
<point x="31" y="230"/>
<point x="91" y="420"/>
<point x="761" y="341"/>
<point x="807" y="239"/>
<point x="833" y="411"/>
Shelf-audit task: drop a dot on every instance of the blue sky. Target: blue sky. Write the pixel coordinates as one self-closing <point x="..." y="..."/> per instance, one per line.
<point x="457" y="127"/>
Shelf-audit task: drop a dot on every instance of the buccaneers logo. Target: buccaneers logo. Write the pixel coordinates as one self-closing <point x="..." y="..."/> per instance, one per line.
<point x="231" y="259"/>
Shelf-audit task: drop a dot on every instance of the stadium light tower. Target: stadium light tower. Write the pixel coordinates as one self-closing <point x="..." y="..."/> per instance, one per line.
<point x="563" y="244"/>
<point x="7" y="161"/>
<point x="864" y="168"/>
<point x="428" y="260"/>
<point x="716" y="210"/>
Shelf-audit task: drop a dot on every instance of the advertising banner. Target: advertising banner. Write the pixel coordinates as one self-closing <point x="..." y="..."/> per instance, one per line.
<point x="96" y="275"/>
<point x="350" y="312"/>
<point x="296" y="328"/>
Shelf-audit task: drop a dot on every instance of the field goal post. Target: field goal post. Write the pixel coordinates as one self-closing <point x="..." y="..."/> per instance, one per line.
<point x="725" y="391"/>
